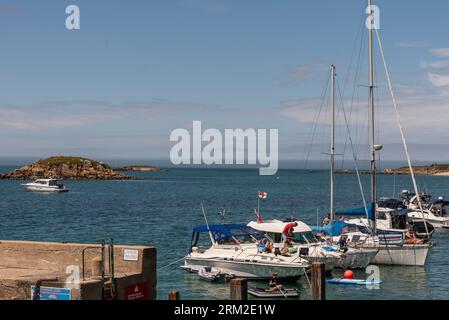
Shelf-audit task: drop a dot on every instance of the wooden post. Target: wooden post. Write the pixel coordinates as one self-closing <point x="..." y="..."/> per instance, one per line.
<point x="239" y="289"/>
<point x="173" y="295"/>
<point x="318" y="281"/>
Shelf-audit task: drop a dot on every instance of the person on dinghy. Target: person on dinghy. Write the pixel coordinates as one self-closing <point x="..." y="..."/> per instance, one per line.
<point x="273" y="285"/>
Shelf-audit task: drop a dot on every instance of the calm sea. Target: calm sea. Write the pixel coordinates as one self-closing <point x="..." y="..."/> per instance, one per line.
<point x="163" y="207"/>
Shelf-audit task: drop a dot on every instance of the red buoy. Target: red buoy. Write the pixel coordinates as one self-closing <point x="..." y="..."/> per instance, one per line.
<point x="349" y="274"/>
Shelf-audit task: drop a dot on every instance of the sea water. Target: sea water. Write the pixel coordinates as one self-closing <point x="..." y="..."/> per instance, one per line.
<point x="162" y="208"/>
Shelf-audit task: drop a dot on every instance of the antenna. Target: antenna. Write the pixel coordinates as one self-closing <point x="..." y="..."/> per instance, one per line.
<point x="207" y="224"/>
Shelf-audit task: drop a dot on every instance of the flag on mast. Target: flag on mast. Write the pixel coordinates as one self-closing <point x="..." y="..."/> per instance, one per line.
<point x="263" y="195"/>
<point x="259" y="218"/>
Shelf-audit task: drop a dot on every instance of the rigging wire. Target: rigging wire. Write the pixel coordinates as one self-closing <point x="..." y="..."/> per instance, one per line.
<point x="354" y="92"/>
<point x="308" y="148"/>
<point x="354" y="155"/>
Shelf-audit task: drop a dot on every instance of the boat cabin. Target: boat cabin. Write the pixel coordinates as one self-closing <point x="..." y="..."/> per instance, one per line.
<point x="302" y="233"/>
<point x="439" y="208"/>
<point x="225" y="235"/>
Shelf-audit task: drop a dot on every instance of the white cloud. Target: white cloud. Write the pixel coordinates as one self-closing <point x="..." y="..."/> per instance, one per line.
<point x="438" y="80"/>
<point x="437" y="72"/>
<point x="440" y="52"/>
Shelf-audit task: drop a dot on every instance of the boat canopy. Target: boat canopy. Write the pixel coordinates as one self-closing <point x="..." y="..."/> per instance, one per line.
<point x="226" y="231"/>
<point x="276" y="226"/>
<point x="391" y="203"/>
<point x="441" y="202"/>
<point x="358" y="212"/>
<point x="334" y="228"/>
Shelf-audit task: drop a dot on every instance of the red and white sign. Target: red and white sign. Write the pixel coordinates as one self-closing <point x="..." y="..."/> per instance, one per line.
<point x="136" y="291"/>
<point x="263" y="195"/>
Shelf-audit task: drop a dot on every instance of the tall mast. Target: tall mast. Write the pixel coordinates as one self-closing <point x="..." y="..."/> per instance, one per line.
<point x="332" y="153"/>
<point x="372" y="117"/>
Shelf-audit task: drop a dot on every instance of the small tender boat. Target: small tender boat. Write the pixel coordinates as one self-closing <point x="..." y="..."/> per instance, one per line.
<point x="353" y="281"/>
<point x="267" y="293"/>
<point x="46" y="185"/>
<point x="209" y="274"/>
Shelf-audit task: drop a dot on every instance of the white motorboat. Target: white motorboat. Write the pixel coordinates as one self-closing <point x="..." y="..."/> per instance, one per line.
<point x="435" y="213"/>
<point x="235" y="253"/>
<point x="391" y="218"/>
<point x="46" y="185"/>
<point x="304" y="242"/>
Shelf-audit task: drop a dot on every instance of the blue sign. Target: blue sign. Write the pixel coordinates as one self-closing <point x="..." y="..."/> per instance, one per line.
<point x="48" y="293"/>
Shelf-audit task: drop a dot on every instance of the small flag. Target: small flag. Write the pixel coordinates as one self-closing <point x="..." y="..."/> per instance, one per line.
<point x="263" y="195"/>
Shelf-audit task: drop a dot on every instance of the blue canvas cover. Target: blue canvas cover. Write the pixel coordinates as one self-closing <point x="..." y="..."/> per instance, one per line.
<point x="358" y="212"/>
<point x="225" y="231"/>
<point x="334" y="228"/>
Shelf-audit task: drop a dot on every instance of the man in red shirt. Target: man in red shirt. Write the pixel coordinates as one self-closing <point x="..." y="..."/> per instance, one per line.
<point x="287" y="233"/>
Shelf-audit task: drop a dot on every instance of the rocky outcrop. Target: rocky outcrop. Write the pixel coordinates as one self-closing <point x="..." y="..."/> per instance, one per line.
<point x="69" y="168"/>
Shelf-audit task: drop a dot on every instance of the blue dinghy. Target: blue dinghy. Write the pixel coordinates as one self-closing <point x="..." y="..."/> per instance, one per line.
<point x="353" y="281"/>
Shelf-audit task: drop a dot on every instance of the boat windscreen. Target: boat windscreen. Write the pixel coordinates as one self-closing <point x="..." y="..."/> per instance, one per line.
<point x="304" y="238"/>
<point x="224" y="233"/>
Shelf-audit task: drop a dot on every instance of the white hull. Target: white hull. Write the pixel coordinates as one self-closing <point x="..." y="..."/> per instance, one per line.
<point x="45" y="188"/>
<point x="358" y="258"/>
<point x="407" y="255"/>
<point x="248" y="270"/>
<point x="442" y="223"/>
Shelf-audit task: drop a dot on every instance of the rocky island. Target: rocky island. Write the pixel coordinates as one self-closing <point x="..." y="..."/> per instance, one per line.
<point x="68" y="168"/>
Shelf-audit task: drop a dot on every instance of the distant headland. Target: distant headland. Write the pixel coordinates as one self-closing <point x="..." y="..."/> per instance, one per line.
<point x="137" y="168"/>
<point x="70" y="168"/>
<point x="435" y="169"/>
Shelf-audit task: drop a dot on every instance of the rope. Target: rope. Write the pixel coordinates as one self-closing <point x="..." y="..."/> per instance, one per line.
<point x="171" y="263"/>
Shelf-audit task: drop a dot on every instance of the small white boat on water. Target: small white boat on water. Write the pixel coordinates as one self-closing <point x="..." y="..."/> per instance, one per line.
<point x="46" y="185"/>
<point x="267" y="293"/>
<point x="234" y="252"/>
<point x="209" y="274"/>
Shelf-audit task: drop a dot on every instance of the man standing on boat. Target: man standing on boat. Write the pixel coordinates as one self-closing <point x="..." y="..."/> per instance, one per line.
<point x="287" y="233"/>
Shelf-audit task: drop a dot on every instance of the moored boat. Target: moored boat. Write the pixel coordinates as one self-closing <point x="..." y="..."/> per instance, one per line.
<point x="46" y="185"/>
<point x="234" y="252"/>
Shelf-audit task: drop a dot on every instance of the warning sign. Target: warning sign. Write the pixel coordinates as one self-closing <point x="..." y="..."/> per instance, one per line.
<point x="137" y="291"/>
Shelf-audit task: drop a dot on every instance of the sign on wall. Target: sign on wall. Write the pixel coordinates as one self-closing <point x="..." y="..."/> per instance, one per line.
<point x="136" y="291"/>
<point x="49" y="293"/>
<point x="131" y="255"/>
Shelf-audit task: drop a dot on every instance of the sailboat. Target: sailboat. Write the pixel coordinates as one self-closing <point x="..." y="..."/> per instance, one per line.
<point x="393" y="249"/>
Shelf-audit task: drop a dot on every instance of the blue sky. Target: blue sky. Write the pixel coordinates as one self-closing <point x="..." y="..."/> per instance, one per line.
<point x="137" y="70"/>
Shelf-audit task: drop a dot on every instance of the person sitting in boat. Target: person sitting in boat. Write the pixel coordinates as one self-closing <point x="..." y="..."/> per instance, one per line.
<point x="269" y="247"/>
<point x="261" y="246"/>
<point x="343" y="244"/>
<point x="410" y="237"/>
<point x="287" y="233"/>
<point x="273" y="285"/>
<point x="327" y="220"/>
